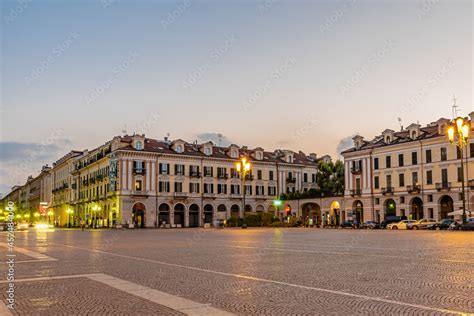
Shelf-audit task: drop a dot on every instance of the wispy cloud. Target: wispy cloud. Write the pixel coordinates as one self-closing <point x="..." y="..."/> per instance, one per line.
<point x="344" y="144"/>
<point x="19" y="160"/>
<point x="216" y="138"/>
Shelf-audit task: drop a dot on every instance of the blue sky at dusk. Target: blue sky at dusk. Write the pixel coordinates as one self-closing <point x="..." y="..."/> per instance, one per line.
<point x="301" y="75"/>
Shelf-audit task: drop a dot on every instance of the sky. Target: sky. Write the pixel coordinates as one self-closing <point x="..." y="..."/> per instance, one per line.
<point x="299" y="75"/>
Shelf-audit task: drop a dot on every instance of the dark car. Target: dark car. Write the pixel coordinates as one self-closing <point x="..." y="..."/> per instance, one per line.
<point x="391" y="219"/>
<point x="441" y="225"/>
<point x="370" y="225"/>
<point x="469" y="224"/>
<point x="347" y="224"/>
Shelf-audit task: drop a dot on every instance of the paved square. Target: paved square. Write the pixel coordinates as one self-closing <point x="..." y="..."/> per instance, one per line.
<point x="253" y="271"/>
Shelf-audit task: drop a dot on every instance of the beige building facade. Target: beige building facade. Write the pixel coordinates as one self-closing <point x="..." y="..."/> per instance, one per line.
<point x="415" y="172"/>
<point x="143" y="182"/>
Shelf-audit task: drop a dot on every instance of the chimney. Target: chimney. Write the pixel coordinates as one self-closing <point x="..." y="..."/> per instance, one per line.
<point x="313" y="156"/>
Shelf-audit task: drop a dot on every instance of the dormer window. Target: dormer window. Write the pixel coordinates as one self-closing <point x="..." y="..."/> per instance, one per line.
<point x="138" y="145"/>
<point x="289" y="158"/>
<point x="207" y="151"/>
<point x="388" y="140"/>
<point x="259" y="155"/>
<point x="179" y="149"/>
<point x="234" y="154"/>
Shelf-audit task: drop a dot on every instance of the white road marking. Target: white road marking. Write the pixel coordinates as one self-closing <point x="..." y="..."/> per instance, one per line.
<point x="246" y="277"/>
<point x="33" y="254"/>
<point x="174" y="302"/>
<point x="49" y="278"/>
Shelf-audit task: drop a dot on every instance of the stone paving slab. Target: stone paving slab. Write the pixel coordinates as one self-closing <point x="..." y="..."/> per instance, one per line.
<point x="379" y="272"/>
<point x="80" y="296"/>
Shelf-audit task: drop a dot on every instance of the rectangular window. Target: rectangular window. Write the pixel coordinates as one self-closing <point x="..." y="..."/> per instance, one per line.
<point x="235" y="189"/>
<point x="388" y="162"/>
<point x="208" y="188"/>
<point x="138" y="185"/>
<point x="208" y="171"/>
<point x="313" y="178"/>
<point x="272" y="190"/>
<point x="358" y="184"/>
<point x="428" y="156"/>
<point x="458" y="153"/>
<point x="259" y="190"/>
<point x="400" y="160"/>
<point x="305" y="177"/>
<point x="194" y="171"/>
<point x="444" y="176"/>
<point x="444" y="154"/>
<point x="429" y="177"/>
<point x="221" y="172"/>
<point x="259" y="174"/>
<point x="459" y="174"/>
<point x="414" y="158"/>
<point x="179" y="170"/>
<point x="376" y="163"/>
<point x="164" y="186"/>
<point x="401" y="180"/>
<point x="377" y="201"/>
<point x="414" y="178"/>
<point x="193" y="187"/>
<point x="221" y="188"/>
<point x="402" y="199"/>
<point x="248" y="190"/>
<point x="376" y="182"/>
<point x="389" y="181"/>
<point x="178" y="187"/>
<point x="430" y="197"/>
<point x="233" y="173"/>
<point x="270" y="175"/>
<point x="164" y="168"/>
<point x="471" y="149"/>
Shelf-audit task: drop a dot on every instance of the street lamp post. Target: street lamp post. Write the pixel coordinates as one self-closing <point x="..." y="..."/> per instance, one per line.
<point x="95" y="209"/>
<point x="243" y="168"/>
<point x="458" y="132"/>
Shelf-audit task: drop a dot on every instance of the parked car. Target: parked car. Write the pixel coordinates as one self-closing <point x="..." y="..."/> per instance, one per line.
<point x="469" y="224"/>
<point x="391" y="219"/>
<point x="405" y="224"/>
<point x="423" y="223"/>
<point x="370" y="225"/>
<point x="347" y="224"/>
<point x="455" y="225"/>
<point x="441" y="225"/>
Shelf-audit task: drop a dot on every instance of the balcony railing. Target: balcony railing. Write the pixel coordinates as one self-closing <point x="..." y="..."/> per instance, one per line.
<point x="443" y="186"/>
<point x="249" y="177"/>
<point x="139" y="170"/>
<point x="387" y="190"/>
<point x="414" y="188"/>
<point x="195" y="174"/>
<point x="291" y="180"/>
<point x="356" y="192"/>
<point x="235" y="196"/>
<point x="180" y="195"/>
<point x="356" y="170"/>
<point x="209" y="195"/>
<point x="222" y="176"/>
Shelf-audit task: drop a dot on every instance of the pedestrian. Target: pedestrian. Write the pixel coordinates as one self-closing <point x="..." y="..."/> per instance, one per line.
<point x="82" y="224"/>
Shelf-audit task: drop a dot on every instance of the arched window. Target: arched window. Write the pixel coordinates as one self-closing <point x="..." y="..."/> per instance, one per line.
<point x="138" y="145"/>
<point x="207" y="151"/>
<point x="179" y="149"/>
